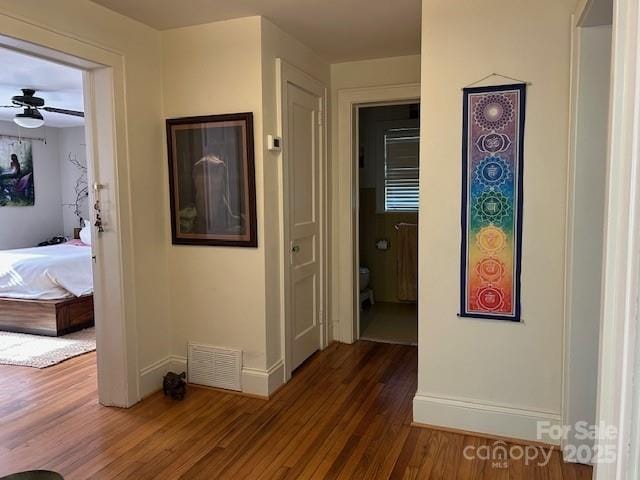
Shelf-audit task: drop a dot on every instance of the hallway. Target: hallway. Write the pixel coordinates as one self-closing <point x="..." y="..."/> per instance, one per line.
<point x="345" y="414"/>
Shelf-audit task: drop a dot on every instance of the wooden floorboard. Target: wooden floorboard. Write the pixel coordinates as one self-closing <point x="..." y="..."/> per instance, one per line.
<point x="346" y="414"/>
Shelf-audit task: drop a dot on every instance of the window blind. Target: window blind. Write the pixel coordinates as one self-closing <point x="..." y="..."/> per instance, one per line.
<point x="401" y="170"/>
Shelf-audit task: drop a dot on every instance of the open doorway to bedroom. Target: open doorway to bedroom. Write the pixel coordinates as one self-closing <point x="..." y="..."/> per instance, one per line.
<point x="46" y="278"/>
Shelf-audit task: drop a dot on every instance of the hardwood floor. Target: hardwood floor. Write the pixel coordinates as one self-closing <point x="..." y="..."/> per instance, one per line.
<point x="345" y="414"/>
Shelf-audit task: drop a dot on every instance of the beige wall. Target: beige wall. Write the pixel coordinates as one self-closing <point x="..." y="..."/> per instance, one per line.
<point x="217" y="293"/>
<point x="222" y="296"/>
<point x="140" y="47"/>
<point x="493" y="376"/>
<point x="366" y="73"/>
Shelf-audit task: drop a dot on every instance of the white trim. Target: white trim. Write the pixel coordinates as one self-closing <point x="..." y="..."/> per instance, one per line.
<point x="619" y="327"/>
<point x="574" y="326"/>
<point x="569" y="237"/>
<point x="345" y="201"/>
<point x="286" y="73"/>
<point x="151" y="376"/>
<point x="108" y="161"/>
<point x="255" y="381"/>
<point x="263" y="382"/>
<point x="482" y="417"/>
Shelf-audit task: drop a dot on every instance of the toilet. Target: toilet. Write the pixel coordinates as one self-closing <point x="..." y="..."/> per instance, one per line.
<point x="365" y="276"/>
<point x="366" y="293"/>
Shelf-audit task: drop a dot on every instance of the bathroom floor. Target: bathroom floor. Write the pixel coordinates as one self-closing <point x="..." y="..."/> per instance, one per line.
<point x="388" y="322"/>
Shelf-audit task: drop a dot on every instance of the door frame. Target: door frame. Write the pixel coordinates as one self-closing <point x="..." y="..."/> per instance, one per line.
<point x="108" y="168"/>
<point x="288" y="74"/>
<point x="619" y="368"/>
<point x="579" y="27"/>
<point x="345" y="203"/>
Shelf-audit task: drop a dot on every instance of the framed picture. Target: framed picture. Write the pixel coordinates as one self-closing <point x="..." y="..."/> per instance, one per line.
<point x="16" y="173"/>
<point x="212" y="180"/>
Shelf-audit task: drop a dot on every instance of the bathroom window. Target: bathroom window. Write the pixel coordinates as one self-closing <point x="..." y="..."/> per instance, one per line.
<point x="401" y="169"/>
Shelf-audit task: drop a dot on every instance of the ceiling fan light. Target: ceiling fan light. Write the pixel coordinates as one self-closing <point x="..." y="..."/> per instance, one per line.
<point x="30" y="118"/>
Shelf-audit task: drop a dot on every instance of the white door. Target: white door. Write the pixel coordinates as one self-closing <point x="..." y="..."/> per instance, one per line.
<point x="303" y="143"/>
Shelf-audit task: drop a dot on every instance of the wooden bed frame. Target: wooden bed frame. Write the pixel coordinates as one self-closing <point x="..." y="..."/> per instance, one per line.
<point x="46" y="317"/>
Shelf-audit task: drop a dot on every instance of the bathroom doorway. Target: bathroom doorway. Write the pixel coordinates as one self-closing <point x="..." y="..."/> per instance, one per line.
<point x="388" y="173"/>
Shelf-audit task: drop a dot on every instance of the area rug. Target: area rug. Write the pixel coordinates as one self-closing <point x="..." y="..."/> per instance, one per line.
<point x="40" y="352"/>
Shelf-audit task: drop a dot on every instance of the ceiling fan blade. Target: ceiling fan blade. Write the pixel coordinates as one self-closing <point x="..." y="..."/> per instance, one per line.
<point x="75" y="113"/>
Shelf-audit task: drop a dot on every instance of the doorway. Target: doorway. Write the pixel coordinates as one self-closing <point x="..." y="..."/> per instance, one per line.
<point x="107" y="160"/>
<point x="388" y="146"/>
<point x="345" y="264"/>
<point x="589" y="142"/>
<point x="46" y="279"/>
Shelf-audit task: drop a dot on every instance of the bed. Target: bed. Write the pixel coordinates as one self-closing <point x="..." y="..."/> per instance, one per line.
<point x="46" y="290"/>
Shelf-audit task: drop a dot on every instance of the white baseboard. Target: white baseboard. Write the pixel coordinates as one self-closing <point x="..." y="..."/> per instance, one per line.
<point x="485" y="418"/>
<point x="151" y="376"/>
<point x="255" y="381"/>
<point x="263" y="382"/>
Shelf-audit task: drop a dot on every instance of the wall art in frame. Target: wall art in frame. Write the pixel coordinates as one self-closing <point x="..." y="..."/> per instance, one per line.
<point x="492" y="168"/>
<point x="212" y="180"/>
<point x="16" y="172"/>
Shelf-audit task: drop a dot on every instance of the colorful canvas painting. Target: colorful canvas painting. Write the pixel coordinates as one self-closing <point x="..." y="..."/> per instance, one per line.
<point x="16" y="172"/>
<point x="493" y="129"/>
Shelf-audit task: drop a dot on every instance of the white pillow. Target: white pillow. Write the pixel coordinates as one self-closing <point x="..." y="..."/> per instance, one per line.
<point x="85" y="233"/>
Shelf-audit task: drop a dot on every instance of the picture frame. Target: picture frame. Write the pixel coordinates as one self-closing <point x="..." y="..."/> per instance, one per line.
<point x="212" y="186"/>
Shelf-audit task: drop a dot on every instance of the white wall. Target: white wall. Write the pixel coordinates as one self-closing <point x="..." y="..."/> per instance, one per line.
<point x="71" y="143"/>
<point x="496" y="377"/>
<point x="226" y="296"/>
<point x="54" y="179"/>
<point x="22" y="227"/>
<point x="587" y="175"/>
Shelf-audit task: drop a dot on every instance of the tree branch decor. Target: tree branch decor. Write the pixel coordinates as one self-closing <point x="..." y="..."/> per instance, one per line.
<point x="81" y="188"/>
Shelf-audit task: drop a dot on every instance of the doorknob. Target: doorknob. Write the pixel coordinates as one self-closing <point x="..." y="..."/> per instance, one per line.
<point x="295" y="248"/>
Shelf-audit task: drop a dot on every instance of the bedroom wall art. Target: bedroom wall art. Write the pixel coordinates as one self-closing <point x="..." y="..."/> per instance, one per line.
<point x="16" y="172"/>
<point x="212" y="180"/>
<point x="492" y="163"/>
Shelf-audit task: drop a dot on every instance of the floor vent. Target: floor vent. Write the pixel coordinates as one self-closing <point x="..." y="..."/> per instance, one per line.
<point x="214" y="366"/>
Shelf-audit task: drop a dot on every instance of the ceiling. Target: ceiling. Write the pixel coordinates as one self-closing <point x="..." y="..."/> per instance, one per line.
<point x="60" y="86"/>
<point x="337" y="30"/>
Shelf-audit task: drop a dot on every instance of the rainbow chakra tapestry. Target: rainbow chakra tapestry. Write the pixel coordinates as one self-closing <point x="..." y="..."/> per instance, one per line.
<point x="492" y="151"/>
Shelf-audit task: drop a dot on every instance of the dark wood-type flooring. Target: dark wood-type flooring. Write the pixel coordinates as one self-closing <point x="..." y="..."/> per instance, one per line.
<point x="345" y="414"/>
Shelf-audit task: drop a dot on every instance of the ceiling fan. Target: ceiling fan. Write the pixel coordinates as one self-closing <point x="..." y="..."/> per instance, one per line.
<point x="31" y="105"/>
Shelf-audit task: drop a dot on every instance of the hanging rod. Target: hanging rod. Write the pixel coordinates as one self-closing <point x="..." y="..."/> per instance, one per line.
<point x="38" y="139"/>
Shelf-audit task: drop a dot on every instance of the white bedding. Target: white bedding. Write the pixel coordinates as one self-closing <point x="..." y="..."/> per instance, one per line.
<point x="46" y="273"/>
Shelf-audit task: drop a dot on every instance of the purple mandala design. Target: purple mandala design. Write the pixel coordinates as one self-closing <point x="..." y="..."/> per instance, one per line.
<point x="493" y="112"/>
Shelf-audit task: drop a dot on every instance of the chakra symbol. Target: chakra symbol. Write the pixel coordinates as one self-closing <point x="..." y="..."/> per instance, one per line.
<point x="493" y="143"/>
<point x="490" y="269"/>
<point x="491" y="239"/>
<point x="491" y="207"/>
<point x="490" y="298"/>
<point x="493" y="111"/>
<point x="492" y="172"/>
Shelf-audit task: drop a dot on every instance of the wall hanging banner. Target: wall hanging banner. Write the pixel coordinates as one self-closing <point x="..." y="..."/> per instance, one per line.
<point x="492" y="153"/>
